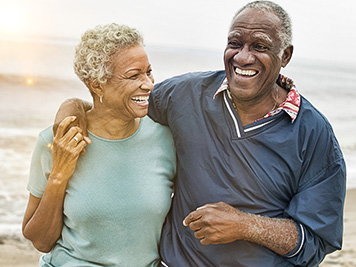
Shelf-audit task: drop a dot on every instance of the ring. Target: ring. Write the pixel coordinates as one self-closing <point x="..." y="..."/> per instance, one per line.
<point x="76" y="139"/>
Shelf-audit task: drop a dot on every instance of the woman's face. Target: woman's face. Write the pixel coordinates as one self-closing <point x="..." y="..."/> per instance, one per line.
<point x="126" y="94"/>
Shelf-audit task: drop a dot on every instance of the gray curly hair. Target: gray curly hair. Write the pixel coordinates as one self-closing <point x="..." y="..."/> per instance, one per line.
<point x="92" y="60"/>
<point x="285" y="32"/>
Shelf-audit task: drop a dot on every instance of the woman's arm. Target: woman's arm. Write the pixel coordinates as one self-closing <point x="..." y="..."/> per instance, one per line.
<point x="43" y="220"/>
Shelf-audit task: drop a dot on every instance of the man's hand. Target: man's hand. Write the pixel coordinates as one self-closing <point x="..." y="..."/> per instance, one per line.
<point x="217" y="223"/>
<point x="220" y="223"/>
<point x="74" y="107"/>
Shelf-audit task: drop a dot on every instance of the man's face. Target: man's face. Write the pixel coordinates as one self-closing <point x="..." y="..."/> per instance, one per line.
<point x="251" y="58"/>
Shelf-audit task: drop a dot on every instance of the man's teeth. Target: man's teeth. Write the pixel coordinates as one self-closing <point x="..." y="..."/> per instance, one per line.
<point x="245" y="72"/>
<point x="140" y="99"/>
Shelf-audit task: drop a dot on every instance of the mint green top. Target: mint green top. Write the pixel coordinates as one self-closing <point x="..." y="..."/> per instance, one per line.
<point x="116" y="200"/>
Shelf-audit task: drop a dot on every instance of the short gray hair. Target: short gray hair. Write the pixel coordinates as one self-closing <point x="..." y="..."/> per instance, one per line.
<point x="92" y="60"/>
<point x="285" y="33"/>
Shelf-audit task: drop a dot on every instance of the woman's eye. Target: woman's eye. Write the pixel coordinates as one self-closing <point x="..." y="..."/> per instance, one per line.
<point x="134" y="77"/>
<point x="149" y="73"/>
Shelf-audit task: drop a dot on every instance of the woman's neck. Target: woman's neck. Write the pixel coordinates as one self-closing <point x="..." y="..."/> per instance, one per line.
<point x="111" y="128"/>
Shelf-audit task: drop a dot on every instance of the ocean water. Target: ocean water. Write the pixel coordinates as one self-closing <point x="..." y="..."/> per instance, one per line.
<point x="36" y="76"/>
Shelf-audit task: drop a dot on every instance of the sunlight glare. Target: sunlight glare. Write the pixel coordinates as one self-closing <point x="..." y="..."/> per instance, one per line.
<point x="29" y="81"/>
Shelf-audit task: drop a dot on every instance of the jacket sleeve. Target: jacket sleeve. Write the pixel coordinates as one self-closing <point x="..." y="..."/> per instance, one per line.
<point x="317" y="207"/>
<point x="159" y="103"/>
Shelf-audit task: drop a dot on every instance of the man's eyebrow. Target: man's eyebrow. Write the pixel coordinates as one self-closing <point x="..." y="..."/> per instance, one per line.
<point x="233" y="34"/>
<point x="262" y="36"/>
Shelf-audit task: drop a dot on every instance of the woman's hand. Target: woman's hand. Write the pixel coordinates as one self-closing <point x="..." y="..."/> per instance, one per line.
<point x="66" y="148"/>
<point x="43" y="219"/>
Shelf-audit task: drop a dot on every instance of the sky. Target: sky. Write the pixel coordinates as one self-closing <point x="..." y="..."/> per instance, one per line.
<point x="323" y="29"/>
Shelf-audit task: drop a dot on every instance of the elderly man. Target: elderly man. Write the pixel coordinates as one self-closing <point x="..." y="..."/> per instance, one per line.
<point x="260" y="175"/>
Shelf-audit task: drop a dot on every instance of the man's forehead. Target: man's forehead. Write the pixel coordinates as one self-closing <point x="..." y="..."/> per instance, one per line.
<point x="253" y="18"/>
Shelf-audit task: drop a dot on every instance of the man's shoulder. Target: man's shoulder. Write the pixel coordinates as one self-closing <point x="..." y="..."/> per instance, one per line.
<point x="314" y="123"/>
<point x="311" y="113"/>
<point x="193" y="78"/>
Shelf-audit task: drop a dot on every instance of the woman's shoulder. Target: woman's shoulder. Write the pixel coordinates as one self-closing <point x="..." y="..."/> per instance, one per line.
<point x="46" y="134"/>
<point x="152" y="128"/>
<point x="148" y="123"/>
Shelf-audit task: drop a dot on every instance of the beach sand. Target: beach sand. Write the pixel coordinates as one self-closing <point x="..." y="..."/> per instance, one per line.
<point x="19" y="252"/>
<point x="27" y="109"/>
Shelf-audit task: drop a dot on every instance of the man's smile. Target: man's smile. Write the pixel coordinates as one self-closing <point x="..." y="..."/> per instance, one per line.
<point x="249" y="73"/>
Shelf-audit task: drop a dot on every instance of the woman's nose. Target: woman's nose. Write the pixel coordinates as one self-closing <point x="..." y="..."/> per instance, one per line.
<point x="147" y="83"/>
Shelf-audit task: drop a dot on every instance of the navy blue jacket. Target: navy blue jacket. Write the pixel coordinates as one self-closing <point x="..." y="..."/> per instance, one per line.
<point x="272" y="167"/>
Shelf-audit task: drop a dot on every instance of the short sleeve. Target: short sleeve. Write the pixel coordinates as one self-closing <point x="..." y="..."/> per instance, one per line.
<point x="41" y="163"/>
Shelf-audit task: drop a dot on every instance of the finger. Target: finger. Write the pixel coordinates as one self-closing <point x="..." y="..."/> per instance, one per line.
<point x="80" y="147"/>
<point x="193" y="216"/>
<point x="210" y="205"/>
<point x="196" y="225"/>
<point x="202" y="239"/>
<point x="77" y="138"/>
<point x="202" y="207"/>
<point x="205" y="241"/>
<point x="69" y="135"/>
<point x="63" y="126"/>
<point x="198" y="235"/>
<point x="87" y="139"/>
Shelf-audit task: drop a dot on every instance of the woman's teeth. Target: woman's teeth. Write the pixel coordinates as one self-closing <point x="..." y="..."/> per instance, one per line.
<point x="140" y="99"/>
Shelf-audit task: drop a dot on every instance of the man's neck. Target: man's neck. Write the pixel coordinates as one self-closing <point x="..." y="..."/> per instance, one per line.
<point x="250" y="112"/>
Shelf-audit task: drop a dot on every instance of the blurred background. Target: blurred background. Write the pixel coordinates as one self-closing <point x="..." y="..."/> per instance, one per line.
<point x="37" y="40"/>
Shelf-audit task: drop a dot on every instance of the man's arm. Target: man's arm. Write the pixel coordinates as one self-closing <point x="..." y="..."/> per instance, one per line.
<point x="220" y="223"/>
<point x="73" y="107"/>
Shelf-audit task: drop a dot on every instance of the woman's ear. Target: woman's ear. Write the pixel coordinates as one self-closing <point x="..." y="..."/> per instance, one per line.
<point x="96" y="88"/>
<point x="287" y="55"/>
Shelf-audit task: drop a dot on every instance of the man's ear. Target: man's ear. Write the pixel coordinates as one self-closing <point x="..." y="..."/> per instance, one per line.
<point x="287" y="55"/>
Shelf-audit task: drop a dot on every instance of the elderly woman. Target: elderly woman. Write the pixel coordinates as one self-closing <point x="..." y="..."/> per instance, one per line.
<point x="107" y="206"/>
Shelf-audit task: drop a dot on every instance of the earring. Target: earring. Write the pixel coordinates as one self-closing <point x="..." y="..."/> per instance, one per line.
<point x="101" y="99"/>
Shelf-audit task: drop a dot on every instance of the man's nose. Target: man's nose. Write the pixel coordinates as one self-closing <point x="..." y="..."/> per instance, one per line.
<point x="244" y="56"/>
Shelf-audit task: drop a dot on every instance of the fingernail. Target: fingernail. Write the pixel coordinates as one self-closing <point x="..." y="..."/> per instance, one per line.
<point x="87" y="139"/>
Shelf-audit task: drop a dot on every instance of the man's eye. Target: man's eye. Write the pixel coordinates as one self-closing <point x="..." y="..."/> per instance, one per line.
<point x="234" y="44"/>
<point x="149" y="73"/>
<point x="260" y="47"/>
